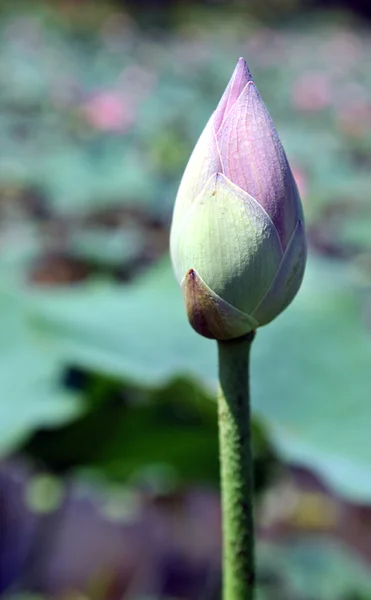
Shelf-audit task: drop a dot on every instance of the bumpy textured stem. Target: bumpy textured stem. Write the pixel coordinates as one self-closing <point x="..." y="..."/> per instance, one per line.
<point x="236" y="468"/>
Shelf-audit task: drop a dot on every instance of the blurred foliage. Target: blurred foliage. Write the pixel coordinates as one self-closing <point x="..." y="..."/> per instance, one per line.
<point x="101" y="378"/>
<point x="97" y="327"/>
<point x="317" y="569"/>
<point x="125" y="432"/>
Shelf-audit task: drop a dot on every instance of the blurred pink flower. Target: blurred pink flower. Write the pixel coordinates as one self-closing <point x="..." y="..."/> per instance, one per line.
<point x="109" y="111"/>
<point x="312" y="92"/>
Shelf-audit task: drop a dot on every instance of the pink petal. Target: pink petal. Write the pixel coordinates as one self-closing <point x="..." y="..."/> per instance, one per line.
<point x="241" y="76"/>
<point x="254" y="159"/>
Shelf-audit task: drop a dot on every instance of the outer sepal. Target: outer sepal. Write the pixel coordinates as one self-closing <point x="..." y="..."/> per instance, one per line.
<point x="231" y="242"/>
<point x="209" y="314"/>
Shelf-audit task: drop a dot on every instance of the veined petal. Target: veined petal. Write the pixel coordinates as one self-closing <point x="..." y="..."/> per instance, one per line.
<point x="231" y="242"/>
<point x="287" y="280"/>
<point x="203" y="163"/>
<point x="210" y="315"/>
<point x="241" y="75"/>
<point x="254" y="159"/>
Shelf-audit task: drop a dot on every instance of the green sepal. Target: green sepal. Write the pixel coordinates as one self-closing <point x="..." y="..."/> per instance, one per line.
<point x="229" y="239"/>
<point x="210" y="315"/>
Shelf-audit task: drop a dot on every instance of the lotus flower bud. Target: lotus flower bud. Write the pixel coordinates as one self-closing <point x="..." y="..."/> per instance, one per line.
<point x="237" y="237"/>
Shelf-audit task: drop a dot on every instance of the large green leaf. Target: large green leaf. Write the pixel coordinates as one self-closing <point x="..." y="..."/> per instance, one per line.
<point x="312" y="381"/>
<point x="31" y="395"/>
<point x="316" y="568"/>
<point x="138" y="331"/>
<point x="311" y="375"/>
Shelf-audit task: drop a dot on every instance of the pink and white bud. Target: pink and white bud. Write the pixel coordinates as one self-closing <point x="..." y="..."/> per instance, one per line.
<point x="237" y="229"/>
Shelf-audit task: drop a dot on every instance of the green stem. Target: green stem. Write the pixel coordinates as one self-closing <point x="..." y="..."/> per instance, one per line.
<point x="236" y="468"/>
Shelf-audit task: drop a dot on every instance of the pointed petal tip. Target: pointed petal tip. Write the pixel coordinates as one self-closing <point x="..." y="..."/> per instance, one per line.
<point x="218" y="181"/>
<point x="243" y="70"/>
<point x="214" y="183"/>
<point x="214" y="180"/>
<point x="240" y="78"/>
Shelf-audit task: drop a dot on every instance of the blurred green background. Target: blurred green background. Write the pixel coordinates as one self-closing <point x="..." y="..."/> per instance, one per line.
<point x="108" y="434"/>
